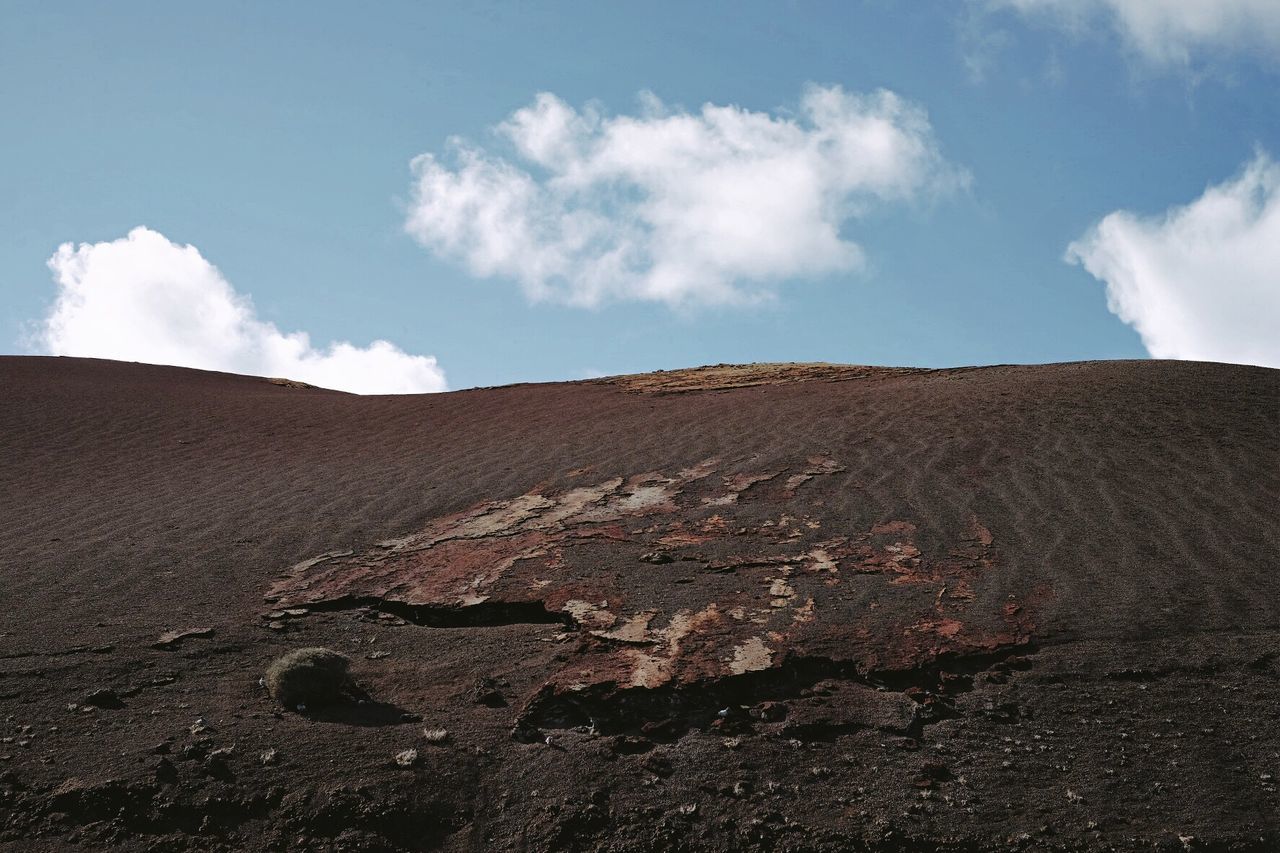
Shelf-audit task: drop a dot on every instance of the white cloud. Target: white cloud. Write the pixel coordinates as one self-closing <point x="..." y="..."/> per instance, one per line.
<point x="143" y="298"/>
<point x="672" y="206"/>
<point x="1201" y="282"/>
<point x="1170" y="32"/>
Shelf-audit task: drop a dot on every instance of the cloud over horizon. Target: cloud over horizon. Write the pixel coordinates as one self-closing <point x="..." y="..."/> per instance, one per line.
<point x="1169" y="32"/>
<point x="1202" y="281"/>
<point x="144" y="298"/>
<point x="708" y="207"/>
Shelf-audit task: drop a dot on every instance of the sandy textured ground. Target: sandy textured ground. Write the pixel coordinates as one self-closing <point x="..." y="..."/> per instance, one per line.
<point x="768" y="607"/>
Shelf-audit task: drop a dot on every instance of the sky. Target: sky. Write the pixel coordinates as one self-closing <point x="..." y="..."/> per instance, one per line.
<point x="408" y="197"/>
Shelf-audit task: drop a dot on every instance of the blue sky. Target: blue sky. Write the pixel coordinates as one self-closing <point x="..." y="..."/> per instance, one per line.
<point x="276" y="139"/>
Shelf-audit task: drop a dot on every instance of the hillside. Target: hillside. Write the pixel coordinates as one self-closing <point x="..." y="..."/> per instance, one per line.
<point x="766" y="607"/>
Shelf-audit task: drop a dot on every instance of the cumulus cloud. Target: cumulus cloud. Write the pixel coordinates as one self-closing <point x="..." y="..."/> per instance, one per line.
<point x="1170" y="32"/>
<point x="1202" y="281"/>
<point x="144" y="298"/>
<point x="673" y="206"/>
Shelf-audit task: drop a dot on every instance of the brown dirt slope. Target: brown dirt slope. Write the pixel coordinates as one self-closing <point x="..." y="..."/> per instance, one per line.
<point x="764" y="607"/>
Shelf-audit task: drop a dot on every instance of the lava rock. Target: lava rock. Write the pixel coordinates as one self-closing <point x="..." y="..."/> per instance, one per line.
<point x="104" y="698"/>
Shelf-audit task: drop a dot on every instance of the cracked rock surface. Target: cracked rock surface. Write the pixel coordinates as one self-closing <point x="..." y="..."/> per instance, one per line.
<point x="760" y="607"/>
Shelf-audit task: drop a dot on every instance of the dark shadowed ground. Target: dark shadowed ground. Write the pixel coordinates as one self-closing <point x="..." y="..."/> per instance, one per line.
<point x="785" y="607"/>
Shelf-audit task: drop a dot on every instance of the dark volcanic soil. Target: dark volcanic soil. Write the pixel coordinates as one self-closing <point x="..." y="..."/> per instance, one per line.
<point x="798" y="607"/>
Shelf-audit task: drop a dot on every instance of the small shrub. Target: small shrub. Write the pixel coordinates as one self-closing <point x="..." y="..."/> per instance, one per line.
<point x="311" y="678"/>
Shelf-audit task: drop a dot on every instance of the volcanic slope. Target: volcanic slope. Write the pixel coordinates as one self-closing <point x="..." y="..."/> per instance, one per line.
<point x="752" y="607"/>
